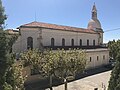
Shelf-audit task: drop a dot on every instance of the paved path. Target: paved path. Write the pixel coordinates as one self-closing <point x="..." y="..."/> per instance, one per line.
<point x="88" y="83"/>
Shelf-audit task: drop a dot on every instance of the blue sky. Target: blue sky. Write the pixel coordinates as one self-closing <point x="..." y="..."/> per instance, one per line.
<point x="75" y="13"/>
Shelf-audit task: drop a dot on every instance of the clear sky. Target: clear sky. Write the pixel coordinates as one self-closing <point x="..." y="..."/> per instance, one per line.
<point x="75" y="13"/>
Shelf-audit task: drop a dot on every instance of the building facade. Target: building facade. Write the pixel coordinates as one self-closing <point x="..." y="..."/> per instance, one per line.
<point x="44" y="35"/>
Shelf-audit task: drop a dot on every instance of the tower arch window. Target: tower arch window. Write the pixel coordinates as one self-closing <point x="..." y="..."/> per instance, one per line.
<point x="29" y="43"/>
<point x="80" y="42"/>
<point x="72" y="42"/>
<point x="87" y="42"/>
<point x="63" y="42"/>
<point x="52" y="42"/>
<point x="93" y="42"/>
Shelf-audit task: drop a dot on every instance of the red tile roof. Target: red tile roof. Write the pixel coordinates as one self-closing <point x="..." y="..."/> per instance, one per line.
<point x="57" y="27"/>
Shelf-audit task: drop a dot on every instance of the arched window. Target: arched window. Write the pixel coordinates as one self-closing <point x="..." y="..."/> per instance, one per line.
<point x="80" y="42"/>
<point x="87" y="42"/>
<point x="93" y="42"/>
<point x="90" y="59"/>
<point x="63" y="42"/>
<point x="103" y="57"/>
<point x="97" y="58"/>
<point x="72" y="42"/>
<point x="29" y="43"/>
<point x="52" y="42"/>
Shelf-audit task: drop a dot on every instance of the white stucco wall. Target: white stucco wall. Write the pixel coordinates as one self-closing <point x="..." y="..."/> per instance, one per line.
<point x="47" y="34"/>
<point x="21" y="43"/>
<point x="93" y="53"/>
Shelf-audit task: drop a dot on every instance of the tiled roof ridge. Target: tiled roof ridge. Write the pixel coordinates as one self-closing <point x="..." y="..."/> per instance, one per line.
<point x="52" y="24"/>
<point x="55" y="26"/>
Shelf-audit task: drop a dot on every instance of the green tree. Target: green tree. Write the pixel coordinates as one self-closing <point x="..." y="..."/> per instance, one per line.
<point x="114" y="47"/>
<point x="3" y="47"/>
<point x="49" y="65"/>
<point x="15" y="76"/>
<point x="10" y="38"/>
<point x="59" y="63"/>
<point x="63" y="64"/>
<point x="3" y="17"/>
<point x="114" y="83"/>
<point x="6" y="43"/>
<point x="39" y="61"/>
<point x="67" y="63"/>
<point x="5" y="57"/>
<point x="7" y="86"/>
<point x="32" y="58"/>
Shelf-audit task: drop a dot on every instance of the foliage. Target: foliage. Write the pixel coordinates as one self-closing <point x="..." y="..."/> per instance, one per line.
<point x="114" y="47"/>
<point x="6" y="59"/>
<point x="3" y="58"/>
<point x="3" y="46"/>
<point x="16" y="78"/>
<point x="114" y="83"/>
<point x="63" y="63"/>
<point x="49" y="62"/>
<point x="3" y="17"/>
<point x="6" y="86"/>
<point x="10" y="38"/>
<point x="33" y="59"/>
<point x="70" y="62"/>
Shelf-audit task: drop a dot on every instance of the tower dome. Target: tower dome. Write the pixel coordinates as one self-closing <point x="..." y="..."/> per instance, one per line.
<point x="94" y="23"/>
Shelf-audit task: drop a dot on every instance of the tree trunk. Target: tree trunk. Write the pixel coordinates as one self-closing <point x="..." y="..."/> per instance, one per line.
<point x="51" y="88"/>
<point x="65" y="82"/>
<point x="51" y="82"/>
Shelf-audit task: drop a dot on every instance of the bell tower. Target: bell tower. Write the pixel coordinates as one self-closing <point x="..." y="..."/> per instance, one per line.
<point x="95" y="25"/>
<point x="94" y="12"/>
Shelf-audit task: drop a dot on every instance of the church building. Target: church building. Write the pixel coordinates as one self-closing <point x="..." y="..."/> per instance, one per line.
<point x="44" y="35"/>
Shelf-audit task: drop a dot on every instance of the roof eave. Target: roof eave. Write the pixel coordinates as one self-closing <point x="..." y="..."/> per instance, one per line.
<point x="55" y="29"/>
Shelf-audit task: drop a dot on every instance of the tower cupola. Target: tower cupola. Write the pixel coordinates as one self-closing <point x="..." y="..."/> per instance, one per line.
<point x="94" y="23"/>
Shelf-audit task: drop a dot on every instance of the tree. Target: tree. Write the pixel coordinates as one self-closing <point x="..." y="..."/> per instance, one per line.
<point x="6" y="43"/>
<point x="67" y="63"/>
<point x="6" y="61"/>
<point x="32" y="58"/>
<point x="3" y="47"/>
<point x="42" y="62"/>
<point x="59" y="63"/>
<point x="10" y="38"/>
<point x="114" y="83"/>
<point x="114" y="47"/>
<point x="15" y="76"/>
<point x="63" y="64"/>
<point x="49" y="65"/>
<point x="3" y="17"/>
